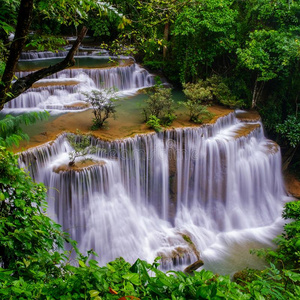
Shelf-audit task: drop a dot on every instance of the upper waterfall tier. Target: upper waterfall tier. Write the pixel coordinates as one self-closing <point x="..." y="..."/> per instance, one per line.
<point x="81" y="61"/>
<point x="83" y="51"/>
<point x="126" y="80"/>
<point x="209" y="183"/>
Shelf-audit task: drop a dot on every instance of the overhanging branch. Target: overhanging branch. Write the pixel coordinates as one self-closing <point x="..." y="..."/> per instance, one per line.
<point x="24" y="83"/>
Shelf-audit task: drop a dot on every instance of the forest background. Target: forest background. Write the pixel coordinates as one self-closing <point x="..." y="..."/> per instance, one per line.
<point x="252" y="46"/>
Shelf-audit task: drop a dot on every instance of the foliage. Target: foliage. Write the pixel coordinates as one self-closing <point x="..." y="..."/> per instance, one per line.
<point x="82" y="146"/>
<point x="102" y="102"/>
<point x="41" y="42"/>
<point x="160" y="105"/>
<point x="199" y="91"/>
<point x="222" y="93"/>
<point x="203" y="31"/>
<point x="269" y="53"/>
<point x="10" y="127"/>
<point x="29" y="240"/>
<point x="196" y="94"/>
<point x="290" y="130"/>
<point x="34" y="264"/>
<point x="197" y="111"/>
<point x="281" y="279"/>
<point x="288" y="253"/>
<point x="154" y="123"/>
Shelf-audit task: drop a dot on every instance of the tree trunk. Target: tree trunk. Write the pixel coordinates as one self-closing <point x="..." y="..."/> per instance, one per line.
<point x="8" y="91"/>
<point x="166" y="38"/>
<point x="254" y="95"/>
<point x="24" y="83"/>
<point x="257" y="92"/>
<point x="288" y="156"/>
<point x="22" y="30"/>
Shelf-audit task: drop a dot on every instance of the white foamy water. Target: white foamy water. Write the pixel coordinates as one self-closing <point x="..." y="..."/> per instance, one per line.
<point x="224" y="192"/>
<point x="63" y="89"/>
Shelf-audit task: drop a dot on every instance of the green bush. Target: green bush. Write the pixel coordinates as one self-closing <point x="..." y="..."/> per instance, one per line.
<point x="34" y="264"/>
<point x="103" y="104"/>
<point x="154" y="123"/>
<point x="161" y="105"/>
<point x="196" y="94"/>
<point x="81" y="143"/>
<point x="290" y="130"/>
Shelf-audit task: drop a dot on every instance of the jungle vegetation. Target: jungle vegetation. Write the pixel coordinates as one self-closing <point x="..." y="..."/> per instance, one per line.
<point x="244" y="53"/>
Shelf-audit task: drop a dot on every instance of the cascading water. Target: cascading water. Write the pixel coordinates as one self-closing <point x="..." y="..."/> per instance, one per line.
<point x="173" y="194"/>
<point x="63" y="90"/>
<point x="49" y="54"/>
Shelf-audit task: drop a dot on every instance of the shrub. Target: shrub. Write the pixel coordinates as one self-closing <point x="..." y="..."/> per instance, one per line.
<point x="222" y="93"/>
<point x="81" y="144"/>
<point x="290" y="130"/>
<point x="196" y="93"/>
<point x="102" y="102"/>
<point x="154" y="123"/>
<point x="161" y="105"/>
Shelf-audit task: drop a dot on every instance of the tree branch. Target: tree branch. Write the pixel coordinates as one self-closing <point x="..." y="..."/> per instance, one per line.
<point x="24" y="83"/>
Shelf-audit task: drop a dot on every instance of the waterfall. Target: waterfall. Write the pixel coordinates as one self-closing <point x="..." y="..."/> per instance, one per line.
<point x="83" y="51"/>
<point x="63" y="89"/>
<point x="173" y="194"/>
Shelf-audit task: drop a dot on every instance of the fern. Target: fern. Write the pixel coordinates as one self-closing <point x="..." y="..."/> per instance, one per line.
<point x="10" y="127"/>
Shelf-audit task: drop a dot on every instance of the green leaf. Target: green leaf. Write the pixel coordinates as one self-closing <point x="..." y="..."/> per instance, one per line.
<point x="258" y="296"/>
<point x="292" y="275"/>
<point x="133" y="278"/>
<point x="93" y="293"/>
<point x="81" y="264"/>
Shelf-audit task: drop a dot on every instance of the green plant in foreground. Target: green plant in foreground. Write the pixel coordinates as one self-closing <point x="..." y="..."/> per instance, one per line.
<point x="34" y="264"/>
<point x="11" y="132"/>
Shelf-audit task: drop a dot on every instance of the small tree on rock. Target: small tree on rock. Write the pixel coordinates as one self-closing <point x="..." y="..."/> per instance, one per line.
<point x="102" y="102"/>
<point x="81" y="145"/>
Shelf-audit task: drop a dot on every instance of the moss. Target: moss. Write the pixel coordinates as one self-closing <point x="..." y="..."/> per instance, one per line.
<point x="187" y="239"/>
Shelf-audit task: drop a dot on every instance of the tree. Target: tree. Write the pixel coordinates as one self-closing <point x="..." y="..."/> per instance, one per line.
<point x="103" y="104"/>
<point x="196" y="94"/>
<point x="159" y="106"/>
<point x="269" y="54"/>
<point x="203" y="32"/>
<point x="65" y="12"/>
<point x="81" y="145"/>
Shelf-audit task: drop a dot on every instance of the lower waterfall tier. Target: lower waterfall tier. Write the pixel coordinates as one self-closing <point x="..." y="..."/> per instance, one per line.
<point x="205" y="192"/>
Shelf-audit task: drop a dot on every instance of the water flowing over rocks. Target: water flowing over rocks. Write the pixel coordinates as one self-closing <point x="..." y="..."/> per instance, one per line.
<point x="222" y="189"/>
<point x="62" y="90"/>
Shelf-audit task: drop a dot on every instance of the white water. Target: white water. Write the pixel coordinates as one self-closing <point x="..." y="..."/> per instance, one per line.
<point x="58" y="95"/>
<point x="28" y="55"/>
<point x="225" y="192"/>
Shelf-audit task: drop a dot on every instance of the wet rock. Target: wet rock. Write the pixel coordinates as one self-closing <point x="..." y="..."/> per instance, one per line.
<point x="193" y="267"/>
<point x="78" y="166"/>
